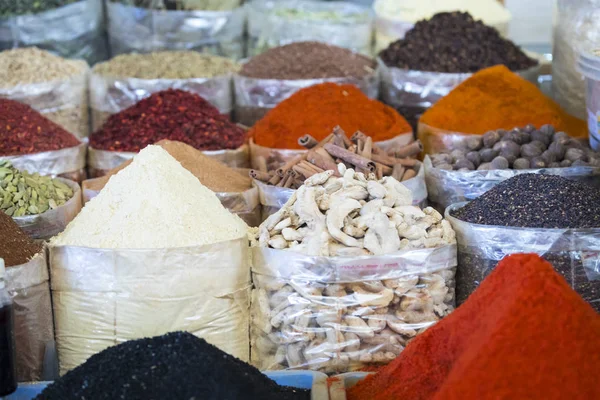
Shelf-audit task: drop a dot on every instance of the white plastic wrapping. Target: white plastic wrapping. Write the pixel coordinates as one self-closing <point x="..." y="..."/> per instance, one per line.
<point x="29" y="288"/>
<point x="63" y="101"/>
<point x="272" y="198"/>
<point x="589" y="66"/>
<point x="142" y="30"/>
<point x="68" y="163"/>
<point x="254" y="97"/>
<point x="101" y="161"/>
<point x="576" y="30"/>
<point x="449" y="187"/>
<point x="50" y="223"/>
<point x="341" y="314"/>
<point x="72" y="31"/>
<point x="103" y="297"/>
<point x="109" y="95"/>
<point x="269" y="27"/>
<point x="574" y="253"/>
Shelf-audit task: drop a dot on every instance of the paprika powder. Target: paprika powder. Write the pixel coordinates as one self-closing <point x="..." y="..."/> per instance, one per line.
<point x="496" y="98"/>
<point x="25" y="131"/>
<point x="318" y="109"/>
<point x="523" y="334"/>
<point x="170" y="114"/>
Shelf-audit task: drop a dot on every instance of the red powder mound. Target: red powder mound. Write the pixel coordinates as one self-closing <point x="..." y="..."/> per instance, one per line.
<point x="524" y="334"/>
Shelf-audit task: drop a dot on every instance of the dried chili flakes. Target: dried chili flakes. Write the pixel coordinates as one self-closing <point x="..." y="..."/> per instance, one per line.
<point x="170" y="114"/>
<point x="25" y="131"/>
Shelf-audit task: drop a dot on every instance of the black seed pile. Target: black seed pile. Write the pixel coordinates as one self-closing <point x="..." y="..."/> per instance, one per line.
<point x="175" y="366"/>
<point x="454" y="42"/>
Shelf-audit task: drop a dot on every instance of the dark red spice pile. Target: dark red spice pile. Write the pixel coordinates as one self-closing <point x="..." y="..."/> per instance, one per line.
<point x="170" y="114"/>
<point x="25" y="131"/>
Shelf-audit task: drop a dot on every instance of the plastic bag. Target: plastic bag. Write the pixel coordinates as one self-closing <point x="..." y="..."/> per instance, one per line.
<point x="52" y="222"/>
<point x="109" y="95"/>
<point x="29" y="288"/>
<point x="64" y="101"/>
<point x="142" y="30"/>
<point x="103" y="297"/>
<point x="413" y="92"/>
<point x="72" y="31"/>
<point x="574" y="253"/>
<point x="254" y="97"/>
<point x="449" y="187"/>
<point x="272" y="198"/>
<point x="101" y="161"/>
<point x="341" y="314"/>
<point x="276" y="23"/>
<point x="67" y="163"/>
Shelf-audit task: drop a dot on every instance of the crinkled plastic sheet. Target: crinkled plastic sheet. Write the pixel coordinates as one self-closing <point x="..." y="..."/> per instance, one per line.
<point x="69" y="161"/>
<point x="574" y="253"/>
<point x="29" y="288"/>
<point x="101" y="161"/>
<point x="415" y="91"/>
<point x="133" y="29"/>
<point x="449" y="187"/>
<point x="103" y="297"/>
<point x="254" y="97"/>
<point x="52" y="222"/>
<point x="72" y="31"/>
<point x="267" y="29"/>
<point x="109" y="95"/>
<point x="272" y="198"/>
<point x="63" y="101"/>
<point x="340" y="314"/>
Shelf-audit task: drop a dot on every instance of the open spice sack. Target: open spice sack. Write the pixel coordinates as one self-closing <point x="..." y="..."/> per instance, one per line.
<point x="150" y="25"/>
<point x="128" y="78"/>
<point x="153" y="252"/>
<point x="54" y="86"/>
<point x="272" y="77"/>
<point x="232" y="187"/>
<point x="549" y="215"/>
<point x="347" y="273"/>
<point x="28" y="285"/>
<point x="159" y="117"/>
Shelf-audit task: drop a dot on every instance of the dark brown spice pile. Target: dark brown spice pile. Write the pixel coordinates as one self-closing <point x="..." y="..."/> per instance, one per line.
<point x="308" y="60"/>
<point x="177" y="366"/>
<point x="454" y="42"/>
<point x="16" y="247"/>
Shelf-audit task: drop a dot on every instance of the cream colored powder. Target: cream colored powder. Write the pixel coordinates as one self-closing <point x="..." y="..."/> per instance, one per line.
<point x="153" y="203"/>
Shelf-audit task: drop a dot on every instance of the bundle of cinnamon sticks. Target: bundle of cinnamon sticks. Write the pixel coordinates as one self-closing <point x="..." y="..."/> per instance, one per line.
<point x="358" y="152"/>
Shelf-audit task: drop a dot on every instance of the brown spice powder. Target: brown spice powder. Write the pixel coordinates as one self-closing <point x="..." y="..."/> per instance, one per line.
<point x="16" y="247"/>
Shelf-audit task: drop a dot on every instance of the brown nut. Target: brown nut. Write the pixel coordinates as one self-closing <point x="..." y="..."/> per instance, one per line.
<point x="457" y="155"/>
<point x="530" y="150"/>
<point x="491" y="138"/>
<point x="538" y="162"/>
<point x="464" y="163"/>
<point x="487" y="155"/>
<point x="561" y="137"/>
<point x="547" y="130"/>
<point x="540" y="137"/>
<point x="484" y="167"/>
<point x="499" y="163"/>
<point x="474" y="157"/>
<point x="557" y="149"/>
<point x="521" y="163"/>
<point x="574" y="154"/>
<point x="549" y="156"/>
<point x="565" y="163"/>
<point x="475" y="143"/>
<point x="529" y="128"/>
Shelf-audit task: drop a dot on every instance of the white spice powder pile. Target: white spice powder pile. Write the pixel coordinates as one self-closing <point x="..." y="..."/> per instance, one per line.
<point x="153" y="203"/>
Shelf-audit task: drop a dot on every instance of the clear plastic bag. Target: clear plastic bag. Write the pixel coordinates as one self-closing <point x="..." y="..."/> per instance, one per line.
<point x="64" y="101"/>
<point x="341" y="314"/>
<point x="109" y="95"/>
<point x="449" y="187"/>
<point x="50" y="223"/>
<point x="101" y="161"/>
<point x="29" y="288"/>
<point x="103" y="297"/>
<point x="67" y="163"/>
<point x="142" y="30"/>
<point x="72" y="31"/>
<point x="276" y="23"/>
<point x="254" y="97"/>
<point x="574" y="253"/>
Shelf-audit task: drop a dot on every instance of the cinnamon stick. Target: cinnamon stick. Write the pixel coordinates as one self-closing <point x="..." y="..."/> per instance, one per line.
<point x="290" y="176"/>
<point x="367" y="148"/>
<point x="324" y="141"/>
<point x="288" y="165"/>
<point x="359" y="135"/>
<point x="307" y="141"/>
<point x="323" y="160"/>
<point x="338" y="131"/>
<point x="274" y="180"/>
<point x="261" y="164"/>
<point x="307" y="165"/>
<point x="350" y="157"/>
<point x="387" y="171"/>
<point x="391" y="161"/>
<point x="409" y="150"/>
<point x="379" y="171"/>
<point x="398" y="171"/>
<point x="411" y="173"/>
<point x="260" y="175"/>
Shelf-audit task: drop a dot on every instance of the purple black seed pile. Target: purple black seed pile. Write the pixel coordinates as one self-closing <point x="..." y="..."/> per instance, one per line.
<point x="176" y="366"/>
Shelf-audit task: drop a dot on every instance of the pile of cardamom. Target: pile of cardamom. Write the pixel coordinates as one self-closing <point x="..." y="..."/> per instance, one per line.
<point x="22" y="193"/>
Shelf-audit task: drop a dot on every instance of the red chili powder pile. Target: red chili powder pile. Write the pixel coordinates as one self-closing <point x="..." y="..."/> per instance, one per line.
<point x="318" y="109"/>
<point x="25" y="131"/>
<point x="170" y="114"/>
<point x="523" y="334"/>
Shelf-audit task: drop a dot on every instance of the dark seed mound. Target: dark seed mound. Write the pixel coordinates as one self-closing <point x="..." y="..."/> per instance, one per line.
<point x="536" y="201"/>
<point x="454" y="42"/>
<point x="176" y="366"/>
